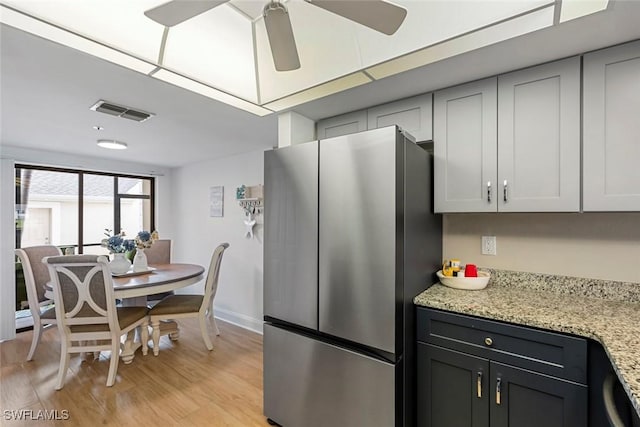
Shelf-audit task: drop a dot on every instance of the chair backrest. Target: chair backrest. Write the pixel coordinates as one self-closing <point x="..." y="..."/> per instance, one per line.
<point x="83" y="291"/>
<point x="211" y="285"/>
<point x="36" y="274"/>
<point x="159" y="252"/>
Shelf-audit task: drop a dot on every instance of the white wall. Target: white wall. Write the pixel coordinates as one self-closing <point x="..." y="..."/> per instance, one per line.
<point x="9" y="156"/>
<point x="7" y="240"/>
<point x="239" y="297"/>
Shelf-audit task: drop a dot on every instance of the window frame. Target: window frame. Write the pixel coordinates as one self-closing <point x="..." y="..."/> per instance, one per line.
<point x="117" y="197"/>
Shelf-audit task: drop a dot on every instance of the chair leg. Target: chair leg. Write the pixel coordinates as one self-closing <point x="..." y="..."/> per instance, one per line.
<point x="155" y="324"/>
<point x="37" y="333"/>
<point x="215" y="326"/>
<point x="113" y="363"/>
<point x="64" y="364"/>
<point x="205" y="333"/>
<point x="144" y="337"/>
<point x="212" y="320"/>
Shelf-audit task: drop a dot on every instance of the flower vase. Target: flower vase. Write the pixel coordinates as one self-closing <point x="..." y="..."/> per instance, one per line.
<point x="120" y="264"/>
<point x="140" y="261"/>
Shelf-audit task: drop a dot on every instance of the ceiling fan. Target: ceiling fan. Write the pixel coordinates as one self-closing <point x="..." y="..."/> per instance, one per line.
<point x="376" y="14"/>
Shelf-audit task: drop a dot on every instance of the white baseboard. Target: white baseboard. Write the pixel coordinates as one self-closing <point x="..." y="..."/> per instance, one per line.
<point x="238" y="319"/>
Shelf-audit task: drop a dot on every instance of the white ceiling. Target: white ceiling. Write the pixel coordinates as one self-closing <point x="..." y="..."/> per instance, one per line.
<point x="46" y="91"/>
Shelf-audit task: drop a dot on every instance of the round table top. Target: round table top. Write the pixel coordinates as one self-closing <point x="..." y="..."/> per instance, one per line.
<point x="165" y="277"/>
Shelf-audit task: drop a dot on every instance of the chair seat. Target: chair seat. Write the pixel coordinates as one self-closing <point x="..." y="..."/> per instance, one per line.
<point x="126" y="317"/>
<point x="49" y="313"/>
<point x="175" y="304"/>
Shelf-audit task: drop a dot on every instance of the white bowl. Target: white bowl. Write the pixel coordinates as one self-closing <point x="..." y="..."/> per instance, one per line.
<point x="469" y="283"/>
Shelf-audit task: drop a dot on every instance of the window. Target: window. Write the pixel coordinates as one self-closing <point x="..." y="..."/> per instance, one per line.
<point x="72" y="208"/>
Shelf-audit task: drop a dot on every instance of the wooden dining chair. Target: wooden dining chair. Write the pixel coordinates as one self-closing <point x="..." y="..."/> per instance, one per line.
<point x="182" y="306"/>
<point x="36" y="275"/>
<point x="88" y="319"/>
<point x="158" y="253"/>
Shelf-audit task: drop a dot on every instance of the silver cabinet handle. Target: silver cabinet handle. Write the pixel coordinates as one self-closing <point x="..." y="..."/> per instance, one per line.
<point x="498" y="386"/>
<point x="504" y="186"/>
<point x="479" y="384"/>
<point x="489" y="191"/>
<point x="609" y="402"/>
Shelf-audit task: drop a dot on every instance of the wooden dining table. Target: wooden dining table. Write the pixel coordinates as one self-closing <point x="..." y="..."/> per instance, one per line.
<point x="133" y="288"/>
<point x="161" y="278"/>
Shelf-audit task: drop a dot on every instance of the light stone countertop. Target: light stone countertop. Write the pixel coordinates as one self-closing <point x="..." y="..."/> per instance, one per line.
<point x="584" y="307"/>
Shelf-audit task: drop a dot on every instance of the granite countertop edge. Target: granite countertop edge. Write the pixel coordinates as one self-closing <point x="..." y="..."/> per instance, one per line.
<point x="612" y="323"/>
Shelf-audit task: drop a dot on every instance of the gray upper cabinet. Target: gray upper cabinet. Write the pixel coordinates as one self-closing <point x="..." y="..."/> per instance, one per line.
<point x="539" y="138"/>
<point x="413" y="115"/>
<point x="342" y="125"/>
<point x="611" y="138"/>
<point x="510" y="146"/>
<point x="465" y="144"/>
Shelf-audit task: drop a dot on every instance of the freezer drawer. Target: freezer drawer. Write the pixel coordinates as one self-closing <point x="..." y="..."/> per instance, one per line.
<point x="315" y="384"/>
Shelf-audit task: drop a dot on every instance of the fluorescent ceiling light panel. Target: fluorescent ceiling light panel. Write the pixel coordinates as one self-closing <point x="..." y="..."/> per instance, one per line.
<point x="572" y="9"/>
<point x="39" y="28"/>
<point x="115" y="23"/>
<point x="431" y="22"/>
<point x="512" y="28"/>
<point x="221" y="58"/>
<point x="319" y="91"/>
<point x="209" y="92"/>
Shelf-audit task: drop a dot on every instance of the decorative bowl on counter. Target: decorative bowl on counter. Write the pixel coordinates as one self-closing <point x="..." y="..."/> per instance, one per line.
<point x="468" y="283"/>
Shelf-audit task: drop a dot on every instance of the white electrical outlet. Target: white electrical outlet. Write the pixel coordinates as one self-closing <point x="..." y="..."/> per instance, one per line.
<point x="488" y="245"/>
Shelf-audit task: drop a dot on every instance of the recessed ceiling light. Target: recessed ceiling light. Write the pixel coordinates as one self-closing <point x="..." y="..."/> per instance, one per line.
<point x="98" y="127"/>
<point x="112" y="144"/>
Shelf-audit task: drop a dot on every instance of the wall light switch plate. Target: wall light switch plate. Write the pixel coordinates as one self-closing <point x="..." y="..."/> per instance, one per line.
<point x="488" y="245"/>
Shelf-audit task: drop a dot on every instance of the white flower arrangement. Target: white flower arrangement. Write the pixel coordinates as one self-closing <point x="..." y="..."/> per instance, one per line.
<point x="144" y="239"/>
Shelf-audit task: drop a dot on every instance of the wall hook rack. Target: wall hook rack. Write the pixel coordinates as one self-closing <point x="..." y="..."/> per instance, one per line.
<point x="250" y="198"/>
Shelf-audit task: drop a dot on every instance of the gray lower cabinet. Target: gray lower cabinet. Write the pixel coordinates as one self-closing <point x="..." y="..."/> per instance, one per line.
<point x="491" y="379"/>
<point x="452" y="388"/>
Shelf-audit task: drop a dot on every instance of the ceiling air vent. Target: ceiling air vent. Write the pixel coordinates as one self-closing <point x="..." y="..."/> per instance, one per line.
<point x="120" y="111"/>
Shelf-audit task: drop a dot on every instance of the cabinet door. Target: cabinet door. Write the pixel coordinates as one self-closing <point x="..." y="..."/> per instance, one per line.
<point x="452" y="388"/>
<point x="611" y="176"/>
<point x="464" y="147"/>
<point x="342" y="125"/>
<point x="412" y="114"/>
<point x="521" y="398"/>
<point x="539" y="138"/>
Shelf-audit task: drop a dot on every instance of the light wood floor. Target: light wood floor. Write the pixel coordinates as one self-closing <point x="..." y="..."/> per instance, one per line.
<point x="185" y="385"/>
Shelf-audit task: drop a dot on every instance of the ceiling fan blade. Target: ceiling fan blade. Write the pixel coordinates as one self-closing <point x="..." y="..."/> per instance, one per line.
<point x="177" y="11"/>
<point x="376" y="14"/>
<point x="281" y="40"/>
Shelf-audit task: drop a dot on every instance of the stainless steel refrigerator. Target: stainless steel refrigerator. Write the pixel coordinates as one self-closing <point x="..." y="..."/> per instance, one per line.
<point x="350" y="239"/>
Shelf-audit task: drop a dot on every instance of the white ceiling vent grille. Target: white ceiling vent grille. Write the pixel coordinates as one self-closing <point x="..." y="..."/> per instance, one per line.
<point x="120" y="111"/>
